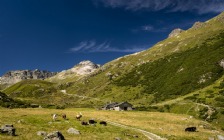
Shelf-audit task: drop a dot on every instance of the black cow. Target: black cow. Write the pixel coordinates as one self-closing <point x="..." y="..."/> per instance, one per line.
<point x="190" y="129"/>
<point x="103" y="123"/>
<point x="92" y="121"/>
<point x="84" y="123"/>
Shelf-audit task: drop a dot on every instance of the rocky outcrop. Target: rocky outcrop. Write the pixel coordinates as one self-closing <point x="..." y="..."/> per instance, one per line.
<point x="175" y="32"/>
<point x="221" y="63"/>
<point x="85" y="67"/>
<point x="13" y="77"/>
<point x="198" y="25"/>
<point x="82" y="69"/>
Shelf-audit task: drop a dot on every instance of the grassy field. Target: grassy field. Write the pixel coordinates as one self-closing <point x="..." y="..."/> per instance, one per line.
<point x="170" y="126"/>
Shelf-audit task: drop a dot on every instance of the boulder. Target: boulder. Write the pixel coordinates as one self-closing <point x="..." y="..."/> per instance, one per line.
<point x="9" y="129"/>
<point x="73" y="131"/>
<point x="117" y="138"/>
<point x="56" y="135"/>
<point x="220" y="137"/>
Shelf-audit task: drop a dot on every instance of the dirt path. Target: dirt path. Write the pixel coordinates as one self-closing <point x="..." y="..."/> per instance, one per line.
<point x="149" y="135"/>
<point x="79" y="96"/>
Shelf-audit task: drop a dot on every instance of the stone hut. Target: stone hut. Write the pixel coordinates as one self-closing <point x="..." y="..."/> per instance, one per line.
<point x="123" y="106"/>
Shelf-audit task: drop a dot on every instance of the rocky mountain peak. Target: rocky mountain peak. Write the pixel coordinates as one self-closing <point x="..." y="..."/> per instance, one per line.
<point x="85" y="67"/>
<point x="175" y="32"/>
<point x="81" y="69"/>
<point x="198" y="25"/>
<point x="87" y="63"/>
<point x="13" y="77"/>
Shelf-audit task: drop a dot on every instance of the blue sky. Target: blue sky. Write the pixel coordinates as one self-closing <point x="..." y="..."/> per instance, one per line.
<point x="57" y="34"/>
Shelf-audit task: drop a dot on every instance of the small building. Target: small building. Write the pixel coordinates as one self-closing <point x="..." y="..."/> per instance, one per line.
<point x="109" y="106"/>
<point x="123" y="106"/>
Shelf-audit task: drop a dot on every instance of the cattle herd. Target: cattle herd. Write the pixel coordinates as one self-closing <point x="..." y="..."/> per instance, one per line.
<point x="10" y="130"/>
<point x="78" y="117"/>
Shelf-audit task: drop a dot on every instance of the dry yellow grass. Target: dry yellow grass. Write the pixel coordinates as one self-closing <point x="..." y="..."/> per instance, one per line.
<point x="170" y="126"/>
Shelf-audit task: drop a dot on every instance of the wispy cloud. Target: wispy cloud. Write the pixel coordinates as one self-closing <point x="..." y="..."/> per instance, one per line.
<point x="147" y="28"/>
<point x="93" y="46"/>
<point x="200" y="6"/>
<point x="150" y="28"/>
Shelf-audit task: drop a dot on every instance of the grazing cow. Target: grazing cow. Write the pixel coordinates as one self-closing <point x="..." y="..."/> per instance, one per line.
<point x="55" y="117"/>
<point x="79" y="116"/>
<point x="63" y="116"/>
<point x="103" y="123"/>
<point x="191" y="129"/>
<point x="84" y="123"/>
<point x="92" y="121"/>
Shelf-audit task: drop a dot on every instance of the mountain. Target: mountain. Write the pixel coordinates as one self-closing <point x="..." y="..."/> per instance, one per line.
<point x="82" y="69"/>
<point x="13" y="77"/>
<point x="181" y="74"/>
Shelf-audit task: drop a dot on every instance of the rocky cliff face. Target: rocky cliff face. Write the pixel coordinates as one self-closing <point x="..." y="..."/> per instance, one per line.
<point x="175" y="32"/>
<point x="81" y="69"/>
<point x="13" y="77"/>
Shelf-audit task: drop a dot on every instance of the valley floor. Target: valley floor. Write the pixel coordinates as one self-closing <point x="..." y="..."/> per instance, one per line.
<point x="146" y="125"/>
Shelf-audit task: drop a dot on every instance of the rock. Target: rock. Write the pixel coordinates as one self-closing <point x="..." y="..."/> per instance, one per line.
<point x="221" y="63"/>
<point x="20" y="121"/>
<point x="73" y="131"/>
<point x="220" y="137"/>
<point x="175" y="32"/>
<point x="13" y="77"/>
<point x="41" y="133"/>
<point x="9" y="129"/>
<point x="211" y="138"/>
<point x="56" y="135"/>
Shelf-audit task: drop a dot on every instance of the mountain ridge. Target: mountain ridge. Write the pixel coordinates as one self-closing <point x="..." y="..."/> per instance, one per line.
<point x="16" y="76"/>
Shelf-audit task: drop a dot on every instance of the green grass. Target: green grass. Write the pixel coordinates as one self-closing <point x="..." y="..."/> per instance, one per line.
<point x="166" y="125"/>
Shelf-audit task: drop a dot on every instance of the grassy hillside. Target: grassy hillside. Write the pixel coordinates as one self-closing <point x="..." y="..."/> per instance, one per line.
<point x="7" y="102"/>
<point x="179" y="73"/>
<point x="40" y="92"/>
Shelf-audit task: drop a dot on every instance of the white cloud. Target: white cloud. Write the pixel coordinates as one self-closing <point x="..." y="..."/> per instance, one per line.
<point x="200" y="6"/>
<point x="147" y="28"/>
<point x="92" y="46"/>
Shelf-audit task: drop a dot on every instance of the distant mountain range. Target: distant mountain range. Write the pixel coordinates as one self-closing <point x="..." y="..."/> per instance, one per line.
<point x="16" y="76"/>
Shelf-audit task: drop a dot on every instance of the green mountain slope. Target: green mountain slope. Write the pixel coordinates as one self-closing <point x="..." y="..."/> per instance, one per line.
<point x="40" y="92"/>
<point x="8" y="102"/>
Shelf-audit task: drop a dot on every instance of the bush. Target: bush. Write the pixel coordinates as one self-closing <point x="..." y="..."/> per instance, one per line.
<point x="220" y="99"/>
